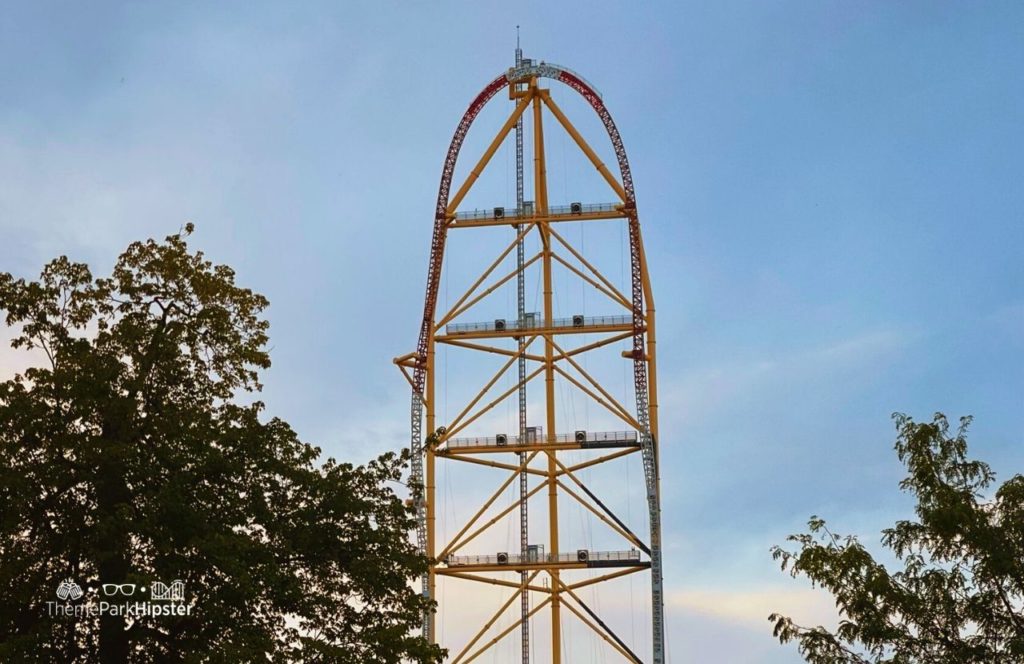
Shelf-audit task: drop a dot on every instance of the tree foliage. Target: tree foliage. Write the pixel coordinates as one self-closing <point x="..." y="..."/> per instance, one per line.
<point x="959" y="594"/>
<point x="130" y="457"/>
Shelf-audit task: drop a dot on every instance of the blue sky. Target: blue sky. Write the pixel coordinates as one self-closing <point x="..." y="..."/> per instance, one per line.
<point x="829" y="192"/>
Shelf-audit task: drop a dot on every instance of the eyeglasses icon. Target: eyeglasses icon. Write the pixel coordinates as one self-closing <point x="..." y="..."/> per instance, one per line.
<point x="113" y="588"/>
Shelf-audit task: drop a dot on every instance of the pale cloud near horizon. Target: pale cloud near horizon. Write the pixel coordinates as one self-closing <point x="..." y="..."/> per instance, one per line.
<point x="751" y="607"/>
<point x="697" y="398"/>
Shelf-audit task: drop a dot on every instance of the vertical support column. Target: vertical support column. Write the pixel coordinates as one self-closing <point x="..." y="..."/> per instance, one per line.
<point x="652" y="445"/>
<point x="652" y="365"/>
<point x="430" y="483"/>
<point x="652" y="379"/>
<point x="524" y="522"/>
<point x="419" y="503"/>
<point x="642" y="321"/>
<point x="540" y="186"/>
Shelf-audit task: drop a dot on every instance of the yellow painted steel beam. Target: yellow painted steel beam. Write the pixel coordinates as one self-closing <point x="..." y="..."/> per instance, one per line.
<point x="599" y="631"/>
<point x="504" y="395"/>
<point x="505" y="632"/>
<point x="476" y="284"/>
<point x="450" y="572"/>
<point x="452" y="545"/>
<point x="646" y="282"/>
<point x="491" y="349"/>
<point x="487" y="625"/>
<point x="578" y="482"/>
<point x="587" y="150"/>
<point x="597" y="273"/>
<point x="606" y="577"/>
<point x="596" y="344"/>
<point x="486" y="388"/>
<point x="603" y="459"/>
<point x="540" y="184"/>
<point x="625" y="417"/>
<point x="516" y="90"/>
<point x="404" y="363"/>
<point x="552" y="218"/>
<point x="456" y="200"/>
<point x="608" y="522"/>
<point x="575" y="365"/>
<point x="405" y="373"/>
<point x="652" y="365"/>
<point x="601" y="289"/>
<point x="455" y="546"/>
<point x="407" y="360"/>
<point x="652" y="390"/>
<point x="490" y="289"/>
<point x="486" y="462"/>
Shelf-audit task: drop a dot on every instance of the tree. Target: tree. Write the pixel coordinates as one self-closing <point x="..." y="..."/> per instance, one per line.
<point x="960" y="592"/>
<point x="130" y="458"/>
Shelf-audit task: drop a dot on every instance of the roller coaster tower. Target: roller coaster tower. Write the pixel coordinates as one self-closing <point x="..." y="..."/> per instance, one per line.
<point x="542" y="348"/>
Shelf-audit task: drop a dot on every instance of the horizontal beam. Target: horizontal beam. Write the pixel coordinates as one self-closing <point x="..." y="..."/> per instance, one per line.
<point x="489" y="349"/>
<point x="606" y="577"/>
<point x="451" y="573"/>
<point x="494" y="464"/>
<point x="602" y="459"/>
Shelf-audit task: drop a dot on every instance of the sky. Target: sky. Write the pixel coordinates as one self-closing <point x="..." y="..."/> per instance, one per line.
<point x="829" y="193"/>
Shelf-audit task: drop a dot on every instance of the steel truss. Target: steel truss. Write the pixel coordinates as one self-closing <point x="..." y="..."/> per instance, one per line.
<point x="553" y="357"/>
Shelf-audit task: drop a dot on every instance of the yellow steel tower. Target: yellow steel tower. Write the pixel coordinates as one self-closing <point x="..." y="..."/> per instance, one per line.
<point x="546" y="348"/>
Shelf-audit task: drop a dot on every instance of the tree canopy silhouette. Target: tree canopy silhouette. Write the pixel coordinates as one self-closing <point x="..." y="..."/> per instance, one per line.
<point x="959" y="596"/>
<point x="133" y="456"/>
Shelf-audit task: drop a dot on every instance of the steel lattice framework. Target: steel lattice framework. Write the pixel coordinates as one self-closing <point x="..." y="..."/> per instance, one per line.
<point x="523" y="84"/>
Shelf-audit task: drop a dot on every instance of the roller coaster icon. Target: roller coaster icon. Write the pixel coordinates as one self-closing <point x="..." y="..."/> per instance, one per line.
<point x="174" y="592"/>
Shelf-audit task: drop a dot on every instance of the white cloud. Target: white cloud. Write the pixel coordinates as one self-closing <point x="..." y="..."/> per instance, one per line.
<point x="700" y="396"/>
<point x="751" y="607"/>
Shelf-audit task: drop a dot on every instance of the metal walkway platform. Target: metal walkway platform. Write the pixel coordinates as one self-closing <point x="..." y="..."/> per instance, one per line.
<point x="535" y="439"/>
<point x="535" y="322"/>
<point x="579" y="559"/>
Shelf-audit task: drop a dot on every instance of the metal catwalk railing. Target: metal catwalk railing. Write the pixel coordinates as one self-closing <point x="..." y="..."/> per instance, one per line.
<point x="577" y="556"/>
<point x="536" y="435"/>
<point x="534" y="321"/>
<point x="528" y="211"/>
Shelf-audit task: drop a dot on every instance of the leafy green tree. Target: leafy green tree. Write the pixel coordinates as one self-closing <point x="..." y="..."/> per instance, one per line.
<point x="959" y="597"/>
<point x="129" y="457"/>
